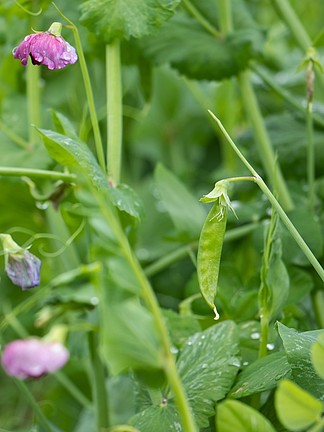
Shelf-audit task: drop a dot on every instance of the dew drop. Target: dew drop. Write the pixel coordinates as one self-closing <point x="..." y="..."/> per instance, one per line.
<point x="94" y="300"/>
<point x="42" y="205"/>
<point x="270" y="346"/>
<point x="174" y="350"/>
<point x="255" y="335"/>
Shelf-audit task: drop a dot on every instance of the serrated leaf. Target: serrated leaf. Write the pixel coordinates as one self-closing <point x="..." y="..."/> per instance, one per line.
<point x="184" y="209"/>
<point x="158" y="419"/>
<point x="317" y="355"/>
<point x="207" y="366"/>
<point x="296" y="408"/>
<point x="239" y="417"/>
<point x="298" y="349"/>
<point x="120" y="19"/>
<point x="128" y="337"/>
<point x="182" y="39"/>
<point x="261" y="375"/>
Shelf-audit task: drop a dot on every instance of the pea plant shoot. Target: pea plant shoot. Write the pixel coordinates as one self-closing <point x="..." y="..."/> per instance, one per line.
<point x="132" y="298"/>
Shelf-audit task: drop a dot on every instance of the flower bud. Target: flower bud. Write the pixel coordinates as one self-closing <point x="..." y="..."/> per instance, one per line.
<point x="22" y="267"/>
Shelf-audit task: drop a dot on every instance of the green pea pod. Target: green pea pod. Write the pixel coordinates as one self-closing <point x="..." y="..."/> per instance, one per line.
<point x="209" y="253"/>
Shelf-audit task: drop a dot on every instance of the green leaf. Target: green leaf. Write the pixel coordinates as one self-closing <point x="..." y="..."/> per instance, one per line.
<point x="301" y="284"/>
<point x="184" y="209"/>
<point x="63" y="125"/>
<point x="277" y="279"/>
<point x="112" y="19"/>
<point x="317" y="355"/>
<point x="298" y="350"/>
<point x="239" y="417"/>
<point x="261" y="375"/>
<point x="182" y="39"/>
<point x="296" y="408"/>
<point x="75" y="155"/>
<point x="128" y="336"/>
<point x="207" y="366"/>
<point x="311" y="233"/>
<point x="160" y="418"/>
<point x="180" y="326"/>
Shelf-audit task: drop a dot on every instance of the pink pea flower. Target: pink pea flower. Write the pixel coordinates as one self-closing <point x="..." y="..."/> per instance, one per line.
<point x="48" y="48"/>
<point x="33" y="358"/>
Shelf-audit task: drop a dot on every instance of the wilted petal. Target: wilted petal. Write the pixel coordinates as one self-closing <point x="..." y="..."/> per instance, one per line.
<point x="46" y="48"/>
<point x="32" y="358"/>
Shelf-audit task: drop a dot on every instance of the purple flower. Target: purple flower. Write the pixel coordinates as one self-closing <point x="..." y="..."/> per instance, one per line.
<point x="48" y="48"/>
<point x="33" y="358"/>
<point x="22" y="267"/>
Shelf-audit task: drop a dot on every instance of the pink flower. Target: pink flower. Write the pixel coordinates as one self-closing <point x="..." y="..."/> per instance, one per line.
<point x="48" y="48"/>
<point x="33" y="358"/>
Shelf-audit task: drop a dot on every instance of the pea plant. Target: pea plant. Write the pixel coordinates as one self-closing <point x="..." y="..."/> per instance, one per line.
<point x="162" y="227"/>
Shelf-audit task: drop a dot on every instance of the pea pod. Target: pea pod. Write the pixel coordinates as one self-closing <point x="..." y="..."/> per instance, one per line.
<point x="209" y="253"/>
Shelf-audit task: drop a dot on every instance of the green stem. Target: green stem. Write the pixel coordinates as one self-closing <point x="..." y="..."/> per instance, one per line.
<point x="284" y="94"/>
<point x="264" y="335"/>
<point x="114" y="111"/>
<point x="289" y="225"/>
<point x="262" y="140"/>
<point x="318" y="306"/>
<point x="225" y="13"/>
<point x="73" y="390"/>
<point x="310" y="157"/>
<point x="13" y="136"/>
<point x="289" y="16"/>
<point x="33" y="102"/>
<point x="148" y="295"/>
<point x="88" y="90"/>
<point x="36" y="173"/>
<point x="99" y="390"/>
<point x="30" y="398"/>
<point x="200" y="18"/>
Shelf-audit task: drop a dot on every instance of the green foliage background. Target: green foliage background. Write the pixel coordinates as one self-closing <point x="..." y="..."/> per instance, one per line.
<point x="173" y="71"/>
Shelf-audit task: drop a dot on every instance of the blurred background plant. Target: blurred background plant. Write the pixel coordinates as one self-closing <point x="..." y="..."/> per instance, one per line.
<point x="240" y="59"/>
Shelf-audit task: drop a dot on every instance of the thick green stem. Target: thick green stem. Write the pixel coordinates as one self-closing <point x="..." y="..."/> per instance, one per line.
<point x="262" y="140"/>
<point x="289" y="225"/>
<point x="99" y="389"/>
<point x="36" y="173"/>
<point x="225" y="13"/>
<point x="88" y="90"/>
<point x="148" y="295"/>
<point x="114" y="111"/>
<point x="33" y="103"/>
<point x="264" y="331"/>
<point x="38" y="412"/>
<point x="310" y="158"/>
